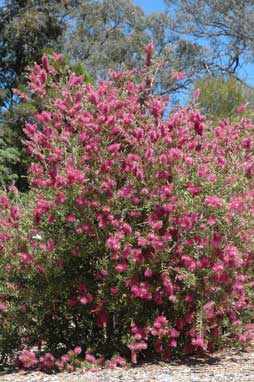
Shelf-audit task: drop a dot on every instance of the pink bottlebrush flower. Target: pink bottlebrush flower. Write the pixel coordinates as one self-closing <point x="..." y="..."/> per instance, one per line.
<point x="40" y="268"/>
<point x="218" y="267"/>
<point x="77" y="350"/>
<point x="196" y="93"/>
<point x="180" y="324"/>
<point x="188" y="298"/>
<point x="172" y="343"/>
<point x="232" y="256"/>
<point x="43" y="76"/>
<point x="65" y="358"/>
<point x="60" y="364"/>
<point x="162" y="320"/>
<point x="121" y="267"/>
<point x="173" y="333"/>
<point x="188" y="318"/>
<point x="75" y="253"/>
<point x="127" y="228"/>
<point x="189" y="263"/>
<point x="93" y="97"/>
<point x="59" y="104"/>
<point x="241" y="108"/>
<point x="158" y="345"/>
<point x="79" y="96"/>
<point x="189" y="160"/>
<point x="57" y="57"/>
<point x="3" y="308"/>
<point x="51" y="218"/>
<point x="27" y="359"/>
<point x="44" y="117"/>
<point x="112" y="364"/>
<point x="16" y="91"/>
<point x="214" y="201"/>
<point x="71" y="218"/>
<point x="212" y="179"/>
<point x="13" y="189"/>
<point x="237" y="323"/>
<point x="90" y="358"/>
<point x="45" y="62"/>
<point x="156" y="225"/>
<point x="59" y="262"/>
<point x="82" y="288"/>
<point x="242" y="338"/>
<point x="168" y="208"/>
<point x="15" y="213"/>
<point x="4" y="202"/>
<point x="177" y="76"/>
<point x="93" y="369"/>
<point x="247" y="142"/>
<point x="140" y="346"/>
<point x="138" y="336"/>
<point x="249" y="327"/>
<point x="113" y="243"/>
<point x="148" y="273"/>
<point x="102" y="318"/>
<point x="47" y="362"/>
<point x="157" y="325"/>
<point x="114" y="291"/>
<point x="212" y="220"/>
<point x="199" y="341"/>
<point x="24" y="96"/>
<point x="248" y="166"/>
<point x="149" y="48"/>
<point x="134" y="357"/>
<point x="135" y="349"/>
<point x="194" y="189"/>
<point x="115" y="147"/>
<point x="238" y="204"/>
<point x="23" y="309"/>
<point x="74" y="80"/>
<point x="119" y="361"/>
<point x="107" y="165"/>
<point x="86" y="299"/>
<point x="166" y="354"/>
<point x="27" y="258"/>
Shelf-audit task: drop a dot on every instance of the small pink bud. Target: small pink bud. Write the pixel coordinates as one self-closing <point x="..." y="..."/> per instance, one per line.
<point x="196" y="93"/>
<point x="77" y="350"/>
<point x="241" y="109"/>
<point x="45" y="62"/>
<point x="148" y="273"/>
<point x="90" y="358"/>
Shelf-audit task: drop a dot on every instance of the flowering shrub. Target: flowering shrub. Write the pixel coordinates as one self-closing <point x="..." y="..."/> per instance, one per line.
<point x="137" y="234"/>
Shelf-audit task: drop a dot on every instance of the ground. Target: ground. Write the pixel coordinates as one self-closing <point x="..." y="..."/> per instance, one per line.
<point x="226" y="366"/>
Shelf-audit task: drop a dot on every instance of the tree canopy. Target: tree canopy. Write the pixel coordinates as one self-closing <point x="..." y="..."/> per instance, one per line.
<point x="221" y="96"/>
<point x="225" y="27"/>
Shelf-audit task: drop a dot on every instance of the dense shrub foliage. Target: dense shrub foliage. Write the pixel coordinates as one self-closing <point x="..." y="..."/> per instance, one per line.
<point x="137" y="235"/>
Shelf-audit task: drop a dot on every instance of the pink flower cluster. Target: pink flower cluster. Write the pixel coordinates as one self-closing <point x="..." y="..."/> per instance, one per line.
<point x="143" y="224"/>
<point x="27" y="358"/>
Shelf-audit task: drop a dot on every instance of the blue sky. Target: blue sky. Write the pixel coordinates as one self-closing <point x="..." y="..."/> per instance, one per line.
<point x="150" y="6"/>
